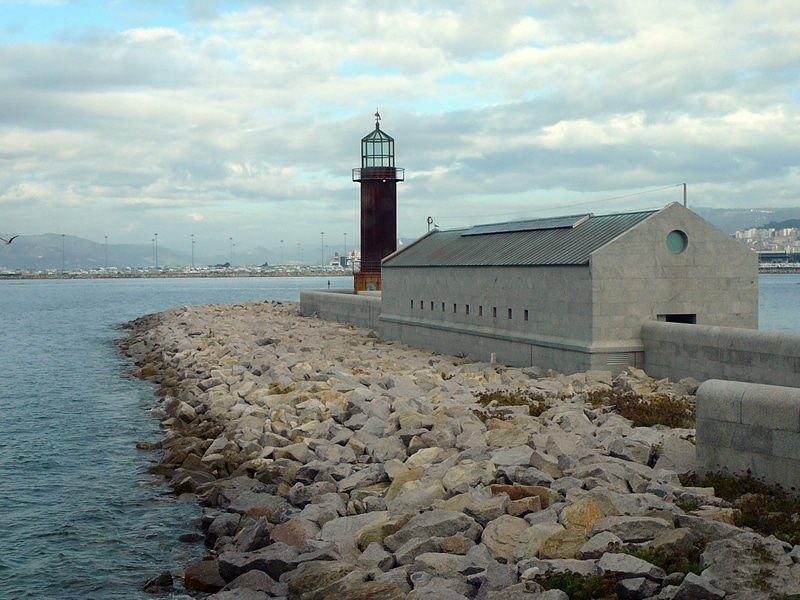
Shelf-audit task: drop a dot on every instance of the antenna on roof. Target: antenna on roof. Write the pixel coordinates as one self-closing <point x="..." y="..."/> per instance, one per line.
<point x="377" y="119"/>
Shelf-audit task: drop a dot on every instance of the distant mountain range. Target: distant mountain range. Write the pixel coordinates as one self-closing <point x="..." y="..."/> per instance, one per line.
<point x="732" y="220"/>
<point x="55" y="251"/>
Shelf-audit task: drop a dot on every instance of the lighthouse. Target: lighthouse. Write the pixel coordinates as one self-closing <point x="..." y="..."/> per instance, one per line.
<point x="378" y="177"/>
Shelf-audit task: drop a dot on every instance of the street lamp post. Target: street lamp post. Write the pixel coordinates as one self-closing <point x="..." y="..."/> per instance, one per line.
<point x="298" y="254"/>
<point x="192" y="236"/>
<point x="343" y="262"/>
<point x="106" y="252"/>
<point x="231" y="241"/>
<point x="322" y="248"/>
<point x="156" y="242"/>
<point x="63" y="255"/>
<point x="281" y="251"/>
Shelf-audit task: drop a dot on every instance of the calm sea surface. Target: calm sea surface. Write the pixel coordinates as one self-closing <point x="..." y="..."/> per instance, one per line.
<point x="80" y="517"/>
<point x="779" y="302"/>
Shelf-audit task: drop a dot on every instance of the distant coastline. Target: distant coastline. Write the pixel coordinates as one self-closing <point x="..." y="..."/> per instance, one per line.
<point x="166" y="273"/>
<point x="793" y="268"/>
<point x="184" y="273"/>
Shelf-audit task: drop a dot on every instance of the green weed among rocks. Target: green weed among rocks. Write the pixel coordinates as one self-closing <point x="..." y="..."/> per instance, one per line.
<point x="655" y="409"/>
<point x="493" y="402"/>
<point x="597" y="587"/>
<point x="765" y="508"/>
<point x="687" y="504"/>
<point x="672" y="562"/>
<point x="603" y="587"/>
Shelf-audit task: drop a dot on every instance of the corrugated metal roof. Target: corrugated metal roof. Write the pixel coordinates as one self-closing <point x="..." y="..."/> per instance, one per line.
<point x="531" y="247"/>
<point x="528" y="225"/>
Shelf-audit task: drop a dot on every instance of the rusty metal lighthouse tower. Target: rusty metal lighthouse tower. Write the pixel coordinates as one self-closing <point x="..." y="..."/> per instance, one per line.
<point x="378" y="177"/>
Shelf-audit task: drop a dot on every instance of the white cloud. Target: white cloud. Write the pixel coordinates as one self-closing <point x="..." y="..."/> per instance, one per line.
<point x="250" y="120"/>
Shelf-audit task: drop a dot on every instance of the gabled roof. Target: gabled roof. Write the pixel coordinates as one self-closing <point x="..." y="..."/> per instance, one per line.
<point x="537" y="242"/>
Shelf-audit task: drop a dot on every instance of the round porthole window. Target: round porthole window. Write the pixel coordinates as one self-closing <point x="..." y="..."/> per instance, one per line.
<point x="677" y="241"/>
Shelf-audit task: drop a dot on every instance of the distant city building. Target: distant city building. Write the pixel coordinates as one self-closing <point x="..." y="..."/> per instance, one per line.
<point x="771" y="243"/>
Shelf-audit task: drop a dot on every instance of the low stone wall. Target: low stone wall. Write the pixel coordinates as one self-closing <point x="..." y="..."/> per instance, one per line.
<point x="744" y="426"/>
<point x="518" y="350"/>
<point x="671" y="350"/>
<point x="677" y="350"/>
<point x="343" y="306"/>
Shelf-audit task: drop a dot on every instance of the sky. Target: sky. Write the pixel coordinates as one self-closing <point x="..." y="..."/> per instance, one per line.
<point x="239" y="122"/>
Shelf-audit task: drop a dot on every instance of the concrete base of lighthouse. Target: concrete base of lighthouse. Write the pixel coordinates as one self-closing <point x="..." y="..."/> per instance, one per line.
<point x="367" y="281"/>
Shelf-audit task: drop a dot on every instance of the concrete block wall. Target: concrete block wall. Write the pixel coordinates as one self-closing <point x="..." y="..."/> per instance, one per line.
<point x="480" y="343"/>
<point x="343" y="306"/>
<point x="749" y="427"/>
<point x="636" y="278"/>
<point x="677" y="350"/>
<point x="557" y="299"/>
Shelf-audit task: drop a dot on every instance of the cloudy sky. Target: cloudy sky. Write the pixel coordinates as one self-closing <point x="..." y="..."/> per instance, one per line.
<point x="242" y="119"/>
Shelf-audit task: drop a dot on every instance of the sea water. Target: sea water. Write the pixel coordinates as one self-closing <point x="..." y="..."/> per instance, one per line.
<point x="779" y="302"/>
<point x="80" y="516"/>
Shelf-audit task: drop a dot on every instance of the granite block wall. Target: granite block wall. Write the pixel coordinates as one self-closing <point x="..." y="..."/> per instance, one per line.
<point x="677" y="350"/>
<point x="343" y="306"/>
<point x="745" y="427"/>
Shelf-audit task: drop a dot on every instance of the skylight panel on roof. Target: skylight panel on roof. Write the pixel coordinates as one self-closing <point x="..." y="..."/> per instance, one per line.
<point x="529" y="225"/>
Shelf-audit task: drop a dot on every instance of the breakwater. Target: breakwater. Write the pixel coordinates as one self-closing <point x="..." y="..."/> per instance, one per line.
<point x="333" y="464"/>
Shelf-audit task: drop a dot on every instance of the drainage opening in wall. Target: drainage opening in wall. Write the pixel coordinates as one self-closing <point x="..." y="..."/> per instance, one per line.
<point x="619" y="359"/>
<point x="688" y="318"/>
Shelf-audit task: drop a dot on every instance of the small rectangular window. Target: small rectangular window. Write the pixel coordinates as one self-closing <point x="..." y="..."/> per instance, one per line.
<point x="442" y="306"/>
<point x="466" y="309"/>
<point x="412" y="304"/>
<point x="690" y="319"/>
<point x="525" y="315"/>
<point x="494" y="312"/>
<point x="455" y="308"/>
<point x="480" y="310"/>
<point x="431" y="304"/>
<point x="509" y="313"/>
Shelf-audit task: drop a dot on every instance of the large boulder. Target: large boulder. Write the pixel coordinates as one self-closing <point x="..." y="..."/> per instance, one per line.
<point x="318" y="579"/>
<point x="434" y="523"/>
<point x="203" y="576"/>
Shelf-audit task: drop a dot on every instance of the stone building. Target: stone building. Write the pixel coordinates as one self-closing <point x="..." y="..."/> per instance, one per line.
<point x="570" y="293"/>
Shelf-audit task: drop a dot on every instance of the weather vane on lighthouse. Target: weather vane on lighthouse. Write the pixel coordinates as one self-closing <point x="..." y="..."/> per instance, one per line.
<point x="377" y="119"/>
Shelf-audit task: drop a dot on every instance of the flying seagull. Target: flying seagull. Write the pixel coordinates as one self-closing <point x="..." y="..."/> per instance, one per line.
<point x="9" y="240"/>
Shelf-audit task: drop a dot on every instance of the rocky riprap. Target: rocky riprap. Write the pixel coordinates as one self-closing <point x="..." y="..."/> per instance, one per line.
<point x="331" y="464"/>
